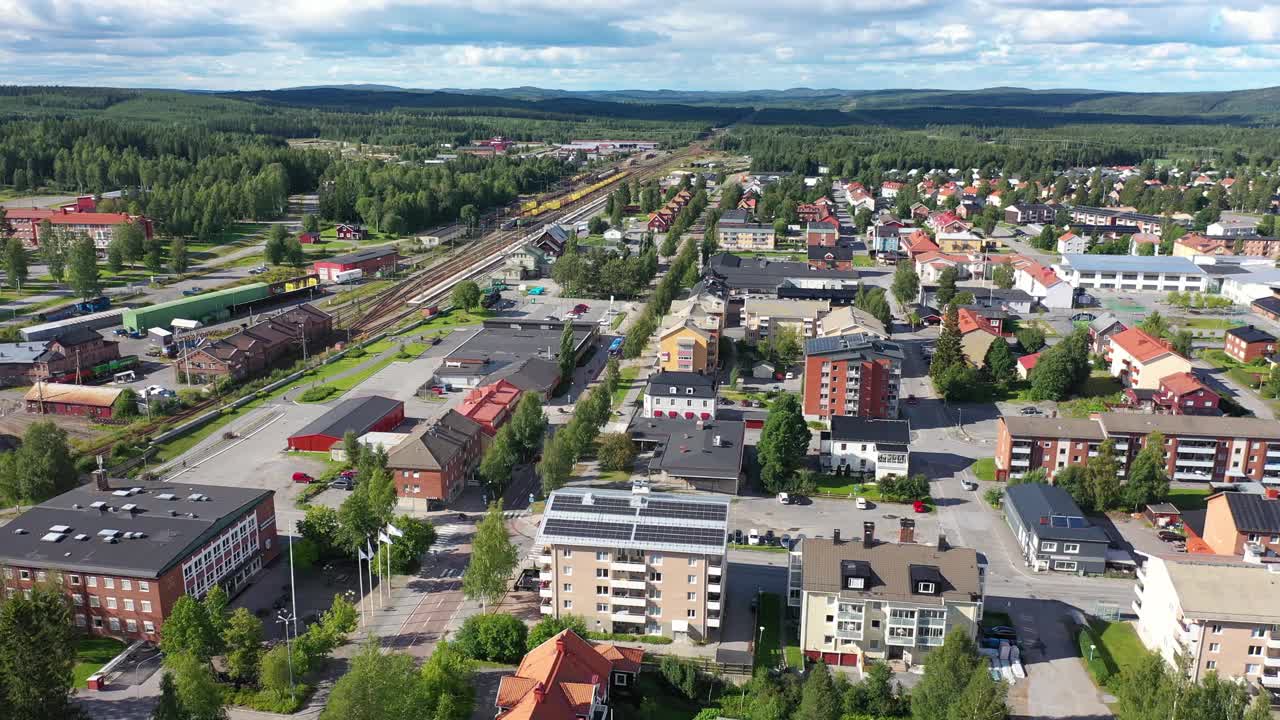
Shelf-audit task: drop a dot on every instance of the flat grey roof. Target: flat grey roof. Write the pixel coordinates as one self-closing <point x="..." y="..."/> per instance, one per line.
<point x="740" y="272"/>
<point x="166" y="538"/>
<point x="1132" y="263"/>
<point x="23" y="353"/>
<point x="685" y="450"/>
<point x="501" y="343"/>
<point x="643" y="521"/>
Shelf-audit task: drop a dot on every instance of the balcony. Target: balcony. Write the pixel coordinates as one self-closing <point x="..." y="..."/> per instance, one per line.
<point x="546" y="592"/>
<point x="546" y="576"/>
<point x="1021" y="449"/>
<point x="1271" y="661"/>
<point x="1020" y="462"/>
<point x="713" y="604"/>
<point x="1194" y="476"/>
<point x="844" y="615"/>
<point x="632" y="566"/>
<point x="547" y="609"/>
<point x="713" y="588"/>
<point x="715" y="569"/>
<point x="545" y="560"/>
<point x="1141" y="576"/>
<point x="626" y="616"/>
<point x="1273" y="640"/>
<point x="1270" y="681"/>
<point x="1137" y="606"/>
<point x="713" y="622"/>
<point x="1197" y="449"/>
<point x="628" y="601"/>
<point x="900" y="640"/>
<point x="1273" y="451"/>
<point x="626" y="583"/>
<point x="1271" y="466"/>
<point x="1182" y="462"/>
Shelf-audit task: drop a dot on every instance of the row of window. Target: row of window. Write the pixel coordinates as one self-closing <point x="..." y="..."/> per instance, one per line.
<point x="603" y="573"/>
<point x="1068" y="548"/>
<point x="130" y="624"/>
<point x="652" y="558"/>
<point x="651" y="610"/>
<point x="75" y="580"/>
<point x="112" y="603"/>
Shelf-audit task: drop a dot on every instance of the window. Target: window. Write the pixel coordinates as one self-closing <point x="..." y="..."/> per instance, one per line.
<point x="692" y="613"/>
<point x="568" y="587"/>
<point x="131" y="625"/>
<point x="926" y="588"/>
<point x="111" y="603"/>
<point x="1071" y="548"/>
<point x="146" y="606"/>
<point x="602" y="556"/>
<point x="24" y="574"/>
<point x="77" y="599"/>
<point x="856" y="583"/>
<point x="566" y="552"/>
<point x="691" y="597"/>
<point x="620" y="680"/>
<point x="94" y="602"/>
<point x="42" y="576"/>
<point x="655" y="594"/>
<point x="828" y="639"/>
<point x="602" y="607"/>
<point x="1254" y="537"/>
<point x="109" y="583"/>
<point x="831" y="618"/>
<point x="568" y="604"/>
<point x="148" y="627"/>
<point x="693" y="562"/>
<point x="97" y="623"/>
<point x="602" y="572"/>
<point x="655" y="558"/>
<point x="1252" y="669"/>
<point x="1215" y="647"/>
<point x="568" y="570"/>
<point x="1066" y="565"/>
<point x="128" y="604"/>
<point x="693" y="579"/>
<point x="81" y="620"/>
<point x="126" y="584"/>
<point x="1255" y="650"/>
<point x="602" y="589"/>
<point x="1260" y="631"/>
<point x="1215" y="629"/>
<point x="75" y="579"/>
<point x="655" y="577"/>
<point x="1049" y="546"/>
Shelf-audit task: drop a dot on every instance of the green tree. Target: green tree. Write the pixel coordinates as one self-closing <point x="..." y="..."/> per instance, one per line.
<point x="179" y="262"/>
<point x="275" y="248"/>
<point x="500" y="637"/>
<point x="1002" y="276"/>
<point x="946" y="287"/>
<point x="493" y="558"/>
<point x="41" y="468"/>
<point x="322" y="525"/>
<point x="819" y="699"/>
<point x="1034" y="475"/>
<point x="1155" y="325"/>
<point x="1181" y="342"/>
<point x="948" y="670"/>
<point x="310" y="223"/>
<point x="548" y="627"/>
<point x="198" y="691"/>
<point x="1100" y="478"/>
<point x="82" y="269"/>
<point x="948" y="352"/>
<point x="53" y="250"/>
<point x="187" y="631"/>
<point x="982" y="698"/>
<point x="15" y="263"/>
<point x="1147" y="480"/>
<point x="351" y="447"/>
<point x="154" y="259"/>
<point x="115" y="257"/>
<point x="274" y="672"/>
<point x="784" y="442"/>
<point x="499" y="460"/>
<point x="37" y="654"/>
<point x="169" y="707"/>
<point x="999" y="362"/>
<point x="875" y="694"/>
<point x="132" y="239"/>
<point x="377" y="687"/>
<point x="529" y="425"/>
<point x="242" y="638"/>
<point x="782" y="347"/>
<point x="566" y="357"/>
<point x="557" y="461"/>
<point x="616" y="452"/>
<point x="294" y="255"/>
<point x="1031" y="338"/>
<point x="465" y="295"/>
<point x="469" y="216"/>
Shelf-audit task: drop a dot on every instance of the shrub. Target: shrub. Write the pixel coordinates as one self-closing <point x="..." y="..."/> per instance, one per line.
<point x="497" y="638"/>
<point x="317" y="393"/>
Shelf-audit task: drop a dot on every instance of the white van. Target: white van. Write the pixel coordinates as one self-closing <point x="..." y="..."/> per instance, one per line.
<point x="784" y="498"/>
<point x="753" y="537"/>
<point x="860" y="503"/>
<point x="125" y="377"/>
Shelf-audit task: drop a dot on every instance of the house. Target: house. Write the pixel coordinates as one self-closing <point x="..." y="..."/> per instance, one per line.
<point x="884" y="237"/>
<point x="1236" y="227"/>
<point x="98" y="403"/>
<point x="350" y="231"/>
<point x="525" y="263"/>
<point x="436" y="460"/>
<point x="976" y="343"/>
<point x="1234" y="520"/>
<point x="889" y="189"/>
<point x="917" y="243"/>
<point x="850" y="320"/>
<point x="491" y="405"/>
<point x="1070" y="242"/>
<point x="931" y="265"/>
<point x="371" y="261"/>
<point x="981" y="317"/>
<point x="1267" y="307"/>
<point x="1192" y="244"/>
<point x="1211" y="616"/>
<point x="122" y="554"/>
<point x="1026" y="364"/>
<point x="676" y="540"/>
<point x="1178" y="394"/>
<point x="867" y="446"/>
<point x="692" y="453"/>
<point x="1248" y="343"/>
<point x="818" y="234"/>
<point x="867" y="368"/>
<point x="866" y="599"/>
<point x="761" y="316"/>
<point x="959" y="242"/>
<point x="1029" y="213"/>
<point x="567" y="677"/>
<point x="659" y="221"/>
<point x="309" y="238"/>
<point x="687" y="395"/>
<point x="71" y="355"/>
<point x="1052" y="532"/>
<point x="550" y="239"/>
<point x="1161" y="273"/>
<point x="831" y="258"/>
<point x="1101" y="329"/>
<point x="1042" y="283"/>
<point x="359" y="415"/>
<point x="685" y="348"/>
<point x="1141" y="361"/>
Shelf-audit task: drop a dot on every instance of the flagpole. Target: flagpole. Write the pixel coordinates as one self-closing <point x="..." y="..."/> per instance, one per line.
<point x="360" y="581"/>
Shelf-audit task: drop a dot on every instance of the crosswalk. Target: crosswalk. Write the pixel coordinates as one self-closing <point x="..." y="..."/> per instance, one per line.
<point x="449" y="535"/>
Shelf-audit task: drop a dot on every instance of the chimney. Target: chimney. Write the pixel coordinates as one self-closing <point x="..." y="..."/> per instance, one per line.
<point x="1273" y="493"/>
<point x="100" y="480"/>
<point x="868" y="534"/>
<point x="942" y="542"/>
<point x="539" y="692"/>
<point x="560" y="645"/>
<point x="835" y="536"/>
<point x="906" y="530"/>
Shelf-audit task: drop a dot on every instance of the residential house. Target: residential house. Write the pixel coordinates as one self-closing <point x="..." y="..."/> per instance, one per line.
<point x="884" y="237"/>
<point x="1178" y="394"/>
<point x="691" y="453"/>
<point x="1141" y="361"/>
<point x="761" y="316"/>
<point x="1026" y="364"/>
<point x="567" y="677"/>
<point x="850" y="320"/>
<point x="1234" y="521"/>
<point x="851" y="375"/>
<point x="491" y="405"/>
<point x="1052" y="532"/>
<point x="1042" y="283"/>
<point x="436" y="460"/>
<point x="1248" y="343"/>
<point x="959" y="242"/>
<point x="1029" y="213"/>
<point x="917" y="243"/>
<point x="689" y="395"/>
<point x="350" y="231"/>
<point x="1193" y="244"/>
<point x="1101" y="329"/>
<point x="889" y="189"/>
<point x="830" y="258"/>
<point x="735" y="232"/>
<point x="685" y="347"/>
<point x="1070" y="242"/>
<point x="870" y="447"/>
<point x="1237" y="227"/>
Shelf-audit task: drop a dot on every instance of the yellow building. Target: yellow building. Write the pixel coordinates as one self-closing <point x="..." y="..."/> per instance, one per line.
<point x="960" y="242"/>
<point x="686" y="348"/>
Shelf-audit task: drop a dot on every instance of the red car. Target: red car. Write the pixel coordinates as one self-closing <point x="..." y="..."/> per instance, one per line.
<point x="301" y="477"/>
<point x="919" y="506"/>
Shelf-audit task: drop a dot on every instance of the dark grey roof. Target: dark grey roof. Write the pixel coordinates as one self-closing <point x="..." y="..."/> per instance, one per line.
<point x="704" y="386"/>
<point x="358" y="415"/>
<point x="650" y="521"/>
<point x="166" y="539"/>
<point x="77" y="336"/>
<point x="1251" y="334"/>
<point x="891" y="570"/>
<point x="822" y="227"/>
<point x="536" y="374"/>
<point x="848" y="428"/>
<point x="1268" y="304"/>
<point x="1253" y="513"/>
<point x="842" y="253"/>
<point x="434" y="445"/>
<point x="1050" y="513"/>
<point x="1105" y="322"/>
<point x="983" y="294"/>
<point x="737" y="216"/>
<point x="853" y="346"/>
<point x="685" y="450"/>
<point x="364" y="255"/>
<point x="503" y="343"/>
<point x="749" y="273"/>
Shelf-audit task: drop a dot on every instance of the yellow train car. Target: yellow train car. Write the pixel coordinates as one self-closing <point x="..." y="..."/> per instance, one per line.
<point x="574" y="196"/>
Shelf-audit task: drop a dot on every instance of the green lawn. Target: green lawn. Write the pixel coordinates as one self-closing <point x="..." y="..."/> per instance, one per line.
<point x="617" y="320"/>
<point x="769" y="642"/>
<point x="863" y="261"/>
<point x="628" y="378"/>
<point x="91" y="654"/>
<point x="851" y="488"/>
<point x="348" y="382"/>
<point x="1188" y="498"/>
<point x="1114" y="646"/>
<point x="984" y="468"/>
<point x="1202" y="323"/>
<point x="456" y="318"/>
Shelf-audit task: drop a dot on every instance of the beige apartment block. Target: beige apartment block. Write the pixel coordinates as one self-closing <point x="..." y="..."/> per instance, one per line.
<point x="634" y="562"/>
<point x="1222" y="613"/>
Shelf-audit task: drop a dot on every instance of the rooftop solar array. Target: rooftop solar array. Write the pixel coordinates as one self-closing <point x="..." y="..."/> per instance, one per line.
<point x="642" y="521"/>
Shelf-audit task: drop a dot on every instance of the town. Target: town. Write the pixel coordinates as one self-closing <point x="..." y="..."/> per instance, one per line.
<point x="436" y="428"/>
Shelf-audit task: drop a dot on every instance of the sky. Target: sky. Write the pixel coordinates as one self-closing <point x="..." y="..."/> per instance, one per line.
<point x="1138" y="45"/>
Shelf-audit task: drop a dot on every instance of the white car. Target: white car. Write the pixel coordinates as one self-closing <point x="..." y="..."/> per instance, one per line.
<point x="784" y="498"/>
<point x="753" y="537"/>
<point x="860" y="503"/>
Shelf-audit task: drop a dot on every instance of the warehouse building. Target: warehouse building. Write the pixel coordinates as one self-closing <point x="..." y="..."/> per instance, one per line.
<point x="361" y="415"/>
<point x="371" y="261"/>
<point x="217" y="305"/>
<point x="99" y="403"/>
<point x="123" y="554"/>
<point x="500" y="346"/>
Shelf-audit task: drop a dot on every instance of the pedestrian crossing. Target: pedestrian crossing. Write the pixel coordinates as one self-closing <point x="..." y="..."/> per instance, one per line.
<point x="450" y="534"/>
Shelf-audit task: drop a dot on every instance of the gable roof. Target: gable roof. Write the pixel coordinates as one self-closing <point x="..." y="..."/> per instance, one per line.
<point x="1183" y="383"/>
<point x="703" y="386"/>
<point x="434" y="445"/>
<point x="891" y="567"/>
<point x="558" y="680"/>
<point x="1252" y="512"/>
<point x="358" y="414"/>
<point x="1251" y="334"/>
<point x="1104" y="322"/>
<point x="1049" y="512"/>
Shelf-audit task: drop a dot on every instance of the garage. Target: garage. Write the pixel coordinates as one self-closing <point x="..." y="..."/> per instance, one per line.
<point x="362" y="415"/>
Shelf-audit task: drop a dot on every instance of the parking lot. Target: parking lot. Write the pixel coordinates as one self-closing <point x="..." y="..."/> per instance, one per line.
<point x="820" y="517"/>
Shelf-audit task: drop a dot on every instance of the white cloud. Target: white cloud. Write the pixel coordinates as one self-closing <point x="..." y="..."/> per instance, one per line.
<point x="1261" y="25"/>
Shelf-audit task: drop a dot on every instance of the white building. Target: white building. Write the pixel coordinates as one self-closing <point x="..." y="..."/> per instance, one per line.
<point x="864" y="445"/>
<point x="1133" y="273"/>
<point x="1043" y="284"/>
<point x="1233" y="228"/>
<point x="687" y="395"/>
<point x="1070" y="243"/>
<point x="1246" y="287"/>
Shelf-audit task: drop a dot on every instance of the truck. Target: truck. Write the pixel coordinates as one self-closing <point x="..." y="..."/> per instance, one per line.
<point x="97" y="304"/>
<point x="348" y="276"/>
<point x="491" y="299"/>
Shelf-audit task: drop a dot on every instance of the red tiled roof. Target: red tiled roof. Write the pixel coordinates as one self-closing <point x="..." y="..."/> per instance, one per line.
<point x="1141" y="346"/>
<point x="1183" y="383"/>
<point x="1029" y="361"/>
<point x="919" y="242"/>
<point x="67" y="217"/>
<point x="1043" y="275"/>
<point x="487" y="404"/>
<point x="558" y="679"/>
<point x="971" y="321"/>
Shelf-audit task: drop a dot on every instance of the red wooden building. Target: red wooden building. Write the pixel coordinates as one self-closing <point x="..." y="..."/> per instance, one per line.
<point x="358" y="415"/>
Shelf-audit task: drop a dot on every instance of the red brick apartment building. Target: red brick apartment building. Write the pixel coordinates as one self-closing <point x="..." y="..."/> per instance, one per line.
<point x="1196" y="449"/>
<point x="99" y="227"/>
<point x="434" y="462"/>
<point x="125" y="554"/>
<point x="851" y="375"/>
<point x="1248" y="343"/>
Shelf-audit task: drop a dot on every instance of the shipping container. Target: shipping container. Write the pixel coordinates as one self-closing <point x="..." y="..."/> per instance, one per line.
<point x="207" y="305"/>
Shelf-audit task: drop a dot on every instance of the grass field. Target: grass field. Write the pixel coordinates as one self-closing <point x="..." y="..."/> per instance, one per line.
<point x="863" y="261"/>
<point x="985" y="468"/>
<point x="768" y="652"/>
<point x="628" y="379"/>
<point x="91" y="654"/>
<point x="1188" y="498"/>
<point x="1202" y="323"/>
<point x="1114" y="647"/>
<point x="617" y="320"/>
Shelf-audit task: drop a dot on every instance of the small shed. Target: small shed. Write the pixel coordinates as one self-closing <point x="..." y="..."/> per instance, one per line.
<point x="1162" y="514"/>
<point x="1026" y="364"/>
<point x="763" y="370"/>
<point x="48" y="398"/>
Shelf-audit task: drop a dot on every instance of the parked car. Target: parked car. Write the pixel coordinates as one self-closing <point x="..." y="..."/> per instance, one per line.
<point x="136" y="334"/>
<point x="1029" y="410"/>
<point x="1170" y="536"/>
<point x="753" y="537"/>
<point x="968" y="484"/>
<point x="784" y="498"/>
<point x="121" y="332"/>
<point x="342" y="483"/>
<point x="301" y="477"/>
<point x="192" y="291"/>
<point x="911" y="400"/>
<point x="861" y="503"/>
<point x="1001" y="631"/>
<point x="786" y="541"/>
<point x="769" y="538"/>
<point x="349" y="475"/>
<point x="919" y="506"/>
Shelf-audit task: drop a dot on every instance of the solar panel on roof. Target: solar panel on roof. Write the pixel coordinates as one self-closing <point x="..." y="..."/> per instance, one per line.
<point x="587" y="529"/>
<point x="684" y="510"/>
<point x="1077" y="522"/>
<point x="680" y="535"/>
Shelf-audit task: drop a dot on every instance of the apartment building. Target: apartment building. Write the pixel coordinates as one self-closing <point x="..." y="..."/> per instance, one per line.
<point x="1162" y="273"/>
<point x="1238" y="523"/>
<point x="851" y="375"/>
<point x="1219" y="450"/>
<point x="1248" y="343"/>
<point x="124" y="554"/>
<point x="687" y="395"/>
<point x="1117" y="218"/>
<point x="850" y="320"/>
<point x="1027" y="213"/>
<point x="638" y="563"/>
<point x="762" y="316"/>
<point x="689" y="340"/>
<point x="874" y="600"/>
<point x="1185" y="609"/>
<point x="869" y="447"/>
<point x="735" y="232"/>
<point x="436" y="460"/>
<point x="99" y="227"/>
<point x="1141" y="361"/>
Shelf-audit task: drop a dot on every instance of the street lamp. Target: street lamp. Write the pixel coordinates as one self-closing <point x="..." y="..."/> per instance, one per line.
<point x="1092" y="647"/>
<point x="284" y="617"/>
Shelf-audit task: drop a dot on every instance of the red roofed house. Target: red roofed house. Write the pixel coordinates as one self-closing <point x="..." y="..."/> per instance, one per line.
<point x="99" y="227"/>
<point x="1026" y="364"/>
<point x="1141" y="361"/>
<point x="810" y="212"/>
<point x="918" y="243"/>
<point x="974" y="319"/>
<point x="309" y="238"/>
<point x="491" y="405"/>
<point x="566" y="678"/>
<point x="748" y="203"/>
<point x="659" y="221"/>
<point x="889" y="189"/>
<point x="347" y="231"/>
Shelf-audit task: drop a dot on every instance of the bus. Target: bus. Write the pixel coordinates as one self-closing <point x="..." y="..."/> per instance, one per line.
<point x="615" y="347"/>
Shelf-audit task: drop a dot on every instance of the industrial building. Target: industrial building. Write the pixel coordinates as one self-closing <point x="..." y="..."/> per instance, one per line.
<point x="98" y="403"/>
<point x="360" y="415"/>
<point x="502" y="344"/>
<point x="371" y="261"/>
<point x="217" y="305"/>
<point x="124" y="554"/>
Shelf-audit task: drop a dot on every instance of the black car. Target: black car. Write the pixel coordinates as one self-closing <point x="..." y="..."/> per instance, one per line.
<point x="1170" y="536"/>
<point x="769" y="538"/>
<point x="737" y="537"/>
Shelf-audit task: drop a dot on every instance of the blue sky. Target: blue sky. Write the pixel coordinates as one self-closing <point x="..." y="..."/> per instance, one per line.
<point x="1145" y="45"/>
